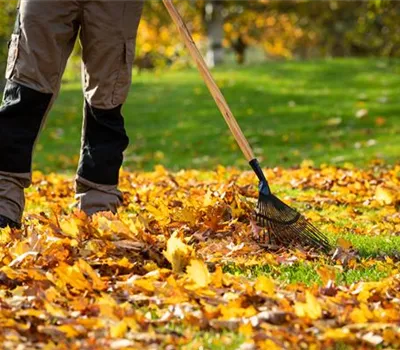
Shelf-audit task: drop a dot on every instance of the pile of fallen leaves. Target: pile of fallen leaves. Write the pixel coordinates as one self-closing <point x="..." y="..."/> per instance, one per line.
<point x="155" y="274"/>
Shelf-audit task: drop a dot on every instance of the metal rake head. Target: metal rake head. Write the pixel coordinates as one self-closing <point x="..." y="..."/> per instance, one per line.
<point x="286" y="226"/>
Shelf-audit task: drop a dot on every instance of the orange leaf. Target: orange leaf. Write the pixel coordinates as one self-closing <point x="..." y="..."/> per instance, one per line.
<point x="344" y="244"/>
<point x="326" y="273"/>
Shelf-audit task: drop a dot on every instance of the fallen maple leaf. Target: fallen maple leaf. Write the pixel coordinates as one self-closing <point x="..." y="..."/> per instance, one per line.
<point x="311" y="308"/>
<point x="386" y="195"/>
<point x="178" y="253"/>
<point x="361" y="314"/>
<point x="265" y="285"/>
<point x="145" y="284"/>
<point x="119" y="329"/>
<point x="327" y="274"/>
<point x="70" y="228"/>
<point x="198" y="272"/>
<point x="344" y="244"/>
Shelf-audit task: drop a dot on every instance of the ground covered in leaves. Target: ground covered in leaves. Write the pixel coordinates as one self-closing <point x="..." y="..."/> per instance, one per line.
<point x="184" y="265"/>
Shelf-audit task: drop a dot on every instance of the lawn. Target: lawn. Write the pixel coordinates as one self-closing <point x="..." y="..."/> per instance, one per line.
<point x="332" y="111"/>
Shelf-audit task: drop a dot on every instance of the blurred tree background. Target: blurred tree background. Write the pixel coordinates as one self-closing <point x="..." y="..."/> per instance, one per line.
<point x="277" y="29"/>
<point x="296" y="29"/>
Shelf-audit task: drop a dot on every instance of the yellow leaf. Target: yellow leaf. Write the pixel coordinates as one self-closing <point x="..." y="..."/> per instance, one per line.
<point x="186" y="215"/>
<point x="268" y="345"/>
<point x="69" y="330"/>
<point x="107" y="306"/>
<point x="70" y="228"/>
<point x="178" y="253"/>
<point x="208" y="199"/>
<point x="361" y="314"/>
<point x="232" y="311"/>
<point x="311" y="308"/>
<point x="385" y="195"/>
<point x="172" y="281"/>
<point x="55" y="310"/>
<point x="307" y="163"/>
<point x="161" y="214"/>
<point x="198" y="272"/>
<point x="9" y="272"/>
<point x="246" y="329"/>
<point x="73" y="276"/>
<point x="338" y="334"/>
<point x="357" y="316"/>
<point x="79" y="304"/>
<point x="151" y="266"/>
<point x="121" y="229"/>
<point x="124" y="262"/>
<point x="217" y="277"/>
<point x="131" y="323"/>
<point x="265" y="285"/>
<point x="5" y="235"/>
<point x="97" y="283"/>
<point x="102" y="224"/>
<point x="118" y="330"/>
<point x="160" y="170"/>
<point x="52" y="294"/>
<point x="145" y="284"/>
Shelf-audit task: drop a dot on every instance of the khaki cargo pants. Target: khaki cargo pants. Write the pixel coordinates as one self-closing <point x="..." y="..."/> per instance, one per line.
<point x="43" y="38"/>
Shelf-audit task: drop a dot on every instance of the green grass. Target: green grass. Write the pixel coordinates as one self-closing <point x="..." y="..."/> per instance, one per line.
<point x="305" y="272"/>
<point x="376" y="247"/>
<point x="290" y="111"/>
<point x="366" y="248"/>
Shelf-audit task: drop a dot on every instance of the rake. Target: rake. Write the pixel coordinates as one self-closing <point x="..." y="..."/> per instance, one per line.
<point x="284" y="224"/>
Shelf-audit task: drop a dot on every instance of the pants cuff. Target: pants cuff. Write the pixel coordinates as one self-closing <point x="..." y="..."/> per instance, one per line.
<point x="12" y="199"/>
<point x="93" y="198"/>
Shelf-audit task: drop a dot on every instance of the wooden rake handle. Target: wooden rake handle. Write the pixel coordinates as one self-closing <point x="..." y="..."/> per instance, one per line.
<point x="210" y="82"/>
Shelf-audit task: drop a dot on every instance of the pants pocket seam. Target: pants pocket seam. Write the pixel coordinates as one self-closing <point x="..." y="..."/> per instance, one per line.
<point x="122" y="81"/>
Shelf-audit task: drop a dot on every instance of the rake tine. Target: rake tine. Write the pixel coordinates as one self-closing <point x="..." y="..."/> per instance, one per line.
<point x="286" y="225"/>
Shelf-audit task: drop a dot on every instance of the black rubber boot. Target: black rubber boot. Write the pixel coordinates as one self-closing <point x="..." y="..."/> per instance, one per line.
<point x="4" y="222"/>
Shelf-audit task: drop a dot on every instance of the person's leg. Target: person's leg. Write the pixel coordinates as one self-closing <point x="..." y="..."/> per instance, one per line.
<point x="108" y="38"/>
<point x="42" y="41"/>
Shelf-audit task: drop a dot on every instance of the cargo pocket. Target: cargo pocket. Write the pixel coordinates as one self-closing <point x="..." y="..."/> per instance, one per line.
<point x="12" y="55"/>
<point x="124" y="78"/>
